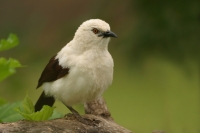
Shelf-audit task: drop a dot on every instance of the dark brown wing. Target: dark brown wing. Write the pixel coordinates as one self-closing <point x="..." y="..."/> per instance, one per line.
<point x="52" y="72"/>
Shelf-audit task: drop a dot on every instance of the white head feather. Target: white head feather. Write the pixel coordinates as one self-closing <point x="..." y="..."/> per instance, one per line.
<point x="88" y="38"/>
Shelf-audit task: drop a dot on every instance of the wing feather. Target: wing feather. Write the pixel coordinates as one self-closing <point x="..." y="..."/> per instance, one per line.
<point x="52" y="72"/>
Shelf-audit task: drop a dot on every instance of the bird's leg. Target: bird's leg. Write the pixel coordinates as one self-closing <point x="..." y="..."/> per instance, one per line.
<point x="78" y="116"/>
<point x="74" y="112"/>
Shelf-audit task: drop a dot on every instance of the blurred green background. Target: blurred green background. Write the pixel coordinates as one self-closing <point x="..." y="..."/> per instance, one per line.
<point x="156" y="54"/>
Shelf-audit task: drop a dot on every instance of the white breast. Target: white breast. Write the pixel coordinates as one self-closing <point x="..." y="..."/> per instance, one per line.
<point x="90" y="75"/>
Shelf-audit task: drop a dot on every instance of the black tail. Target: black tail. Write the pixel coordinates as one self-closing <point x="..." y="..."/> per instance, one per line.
<point x="44" y="100"/>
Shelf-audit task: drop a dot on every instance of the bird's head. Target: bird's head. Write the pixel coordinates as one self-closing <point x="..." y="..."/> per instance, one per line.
<point x="94" y="32"/>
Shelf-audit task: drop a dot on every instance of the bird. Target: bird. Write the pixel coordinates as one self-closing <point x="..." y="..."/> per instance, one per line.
<point x="81" y="71"/>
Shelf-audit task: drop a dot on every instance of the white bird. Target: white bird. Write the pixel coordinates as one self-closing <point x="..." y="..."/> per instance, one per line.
<point x="82" y="70"/>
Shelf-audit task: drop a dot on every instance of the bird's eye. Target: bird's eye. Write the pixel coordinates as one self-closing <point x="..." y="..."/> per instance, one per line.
<point x="95" y="30"/>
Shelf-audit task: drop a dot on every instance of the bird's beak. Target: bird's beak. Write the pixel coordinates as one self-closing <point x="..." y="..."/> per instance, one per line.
<point x="108" y="34"/>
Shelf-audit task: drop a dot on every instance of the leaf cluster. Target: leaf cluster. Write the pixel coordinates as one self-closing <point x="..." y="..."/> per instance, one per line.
<point x="28" y="111"/>
<point x="8" y="66"/>
<point x="16" y="111"/>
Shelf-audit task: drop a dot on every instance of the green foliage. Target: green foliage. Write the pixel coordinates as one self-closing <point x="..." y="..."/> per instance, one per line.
<point x="7" y="67"/>
<point x="11" y="42"/>
<point x="8" y="114"/>
<point x="11" y="112"/>
<point x="28" y="111"/>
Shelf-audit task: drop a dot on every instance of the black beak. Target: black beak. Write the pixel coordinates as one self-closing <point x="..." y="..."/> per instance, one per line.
<point x="108" y="34"/>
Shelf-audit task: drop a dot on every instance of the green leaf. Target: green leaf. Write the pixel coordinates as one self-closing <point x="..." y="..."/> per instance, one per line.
<point x="44" y="114"/>
<point x="28" y="107"/>
<point x="11" y="42"/>
<point x="27" y="111"/>
<point x="8" y="114"/>
<point x="7" y="67"/>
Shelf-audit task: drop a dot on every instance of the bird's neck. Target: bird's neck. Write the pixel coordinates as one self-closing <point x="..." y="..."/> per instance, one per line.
<point x="85" y="46"/>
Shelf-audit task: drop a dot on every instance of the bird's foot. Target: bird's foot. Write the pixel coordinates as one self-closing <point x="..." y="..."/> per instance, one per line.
<point x="86" y="121"/>
<point x="92" y="122"/>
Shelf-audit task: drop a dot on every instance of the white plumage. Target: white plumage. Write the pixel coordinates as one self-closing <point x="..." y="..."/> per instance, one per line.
<point x="90" y="66"/>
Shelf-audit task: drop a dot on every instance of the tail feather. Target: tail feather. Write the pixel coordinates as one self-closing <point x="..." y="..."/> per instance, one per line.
<point x="44" y="100"/>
